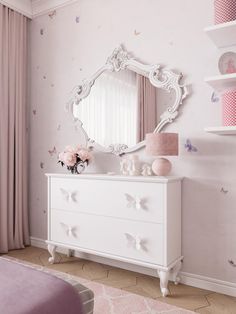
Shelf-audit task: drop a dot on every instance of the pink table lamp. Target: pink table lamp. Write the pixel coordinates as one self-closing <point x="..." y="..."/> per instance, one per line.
<point x="162" y="144"/>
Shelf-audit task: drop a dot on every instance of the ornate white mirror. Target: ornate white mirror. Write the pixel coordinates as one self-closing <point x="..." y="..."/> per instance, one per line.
<point x="119" y="104"/>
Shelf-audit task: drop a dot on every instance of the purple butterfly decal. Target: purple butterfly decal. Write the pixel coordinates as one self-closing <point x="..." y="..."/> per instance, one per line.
<point x="52" y="151"/>
<point x="189" y="147"/>
<point x="215" y="97"/>
<point x="41" y="31"/>
<point x="77" y="19"/>
<point x="34" y="112"/>
<point x="41" y="165"/>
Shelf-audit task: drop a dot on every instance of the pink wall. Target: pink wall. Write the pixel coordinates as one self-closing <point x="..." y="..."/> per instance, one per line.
<point x="170" y="33"/>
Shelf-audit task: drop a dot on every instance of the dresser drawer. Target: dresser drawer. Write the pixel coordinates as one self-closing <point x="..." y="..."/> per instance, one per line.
<point x="130" y="239"/>
<point x="131" y="200"/>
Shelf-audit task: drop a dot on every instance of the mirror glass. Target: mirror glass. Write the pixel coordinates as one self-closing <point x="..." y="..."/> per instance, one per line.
<point x="120" y="108"/>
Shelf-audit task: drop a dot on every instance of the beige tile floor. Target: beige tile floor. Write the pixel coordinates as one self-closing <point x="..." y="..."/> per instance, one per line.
<point x="198" y="300"/>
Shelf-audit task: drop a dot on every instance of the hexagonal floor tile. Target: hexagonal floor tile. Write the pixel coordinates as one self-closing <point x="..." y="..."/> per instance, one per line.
<point x="190" y="302"/>
<point x="147" y="287"/>
<point x="91" y="271"/>
<point x="219" y="304"/>
<point x="119" y="278"/>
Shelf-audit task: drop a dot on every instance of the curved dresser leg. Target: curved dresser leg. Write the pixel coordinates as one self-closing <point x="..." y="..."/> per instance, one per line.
<point x="175" y="271"/>
<point x="164" y="278"/>
<point x="52" y="251"/>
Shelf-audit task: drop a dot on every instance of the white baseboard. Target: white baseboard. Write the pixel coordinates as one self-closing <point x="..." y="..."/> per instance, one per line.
<point x="212" y="284"/>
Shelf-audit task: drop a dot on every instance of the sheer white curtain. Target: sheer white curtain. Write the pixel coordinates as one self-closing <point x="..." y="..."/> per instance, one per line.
<point x="109" y="113"/>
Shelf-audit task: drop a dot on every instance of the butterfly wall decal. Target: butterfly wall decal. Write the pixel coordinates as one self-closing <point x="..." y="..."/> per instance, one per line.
<point x="215" y="98"/>
<point x="223" y="191"/>
<point x="134" y="202"/>
<point x="52" y="151"/>
<point x="52" y="14"/>
<point x="136" y="33"/>
<point x="189" y="147"/>
<point x="68" y="195"/>
<point x="231" y="262"/>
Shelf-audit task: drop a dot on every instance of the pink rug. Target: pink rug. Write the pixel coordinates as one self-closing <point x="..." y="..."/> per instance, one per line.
<point x="110" y="300"/>
<point x="115" y="301"/>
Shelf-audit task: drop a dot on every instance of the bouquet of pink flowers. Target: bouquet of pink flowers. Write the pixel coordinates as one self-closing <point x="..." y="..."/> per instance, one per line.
<point x="75" y="158"/>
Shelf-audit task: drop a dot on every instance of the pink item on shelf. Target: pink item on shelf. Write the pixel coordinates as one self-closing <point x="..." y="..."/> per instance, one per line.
<point x="229" y="108"/>
<point x="225" y="11"/>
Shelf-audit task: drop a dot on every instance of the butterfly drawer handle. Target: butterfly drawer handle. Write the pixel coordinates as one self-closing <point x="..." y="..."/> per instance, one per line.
<point x="134" y="202"/>
<point x="135" y="241"/>
<point x="70" y="196"/>
<point x="69" y="230"/>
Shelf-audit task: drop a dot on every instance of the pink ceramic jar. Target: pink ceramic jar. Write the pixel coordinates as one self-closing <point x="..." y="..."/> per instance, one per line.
<point x="228" y="100"/>
<point x="225" y="11"/>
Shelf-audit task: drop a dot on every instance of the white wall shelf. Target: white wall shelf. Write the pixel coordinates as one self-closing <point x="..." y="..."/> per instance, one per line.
<point x="222" y="82"/>
<point x="222" y="130"/>
<point x="223" y="35"/>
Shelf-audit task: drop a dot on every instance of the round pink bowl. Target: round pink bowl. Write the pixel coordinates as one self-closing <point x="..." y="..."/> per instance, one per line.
<point x="225" y="11"/>
<point x="228" y="100"/>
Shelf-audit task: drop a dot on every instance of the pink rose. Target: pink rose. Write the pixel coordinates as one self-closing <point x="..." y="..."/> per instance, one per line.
<point x="84" y="154"/>
<point x="77" y="149"/>
<point x="69" y="159"/>
<point x="69" y="149"/>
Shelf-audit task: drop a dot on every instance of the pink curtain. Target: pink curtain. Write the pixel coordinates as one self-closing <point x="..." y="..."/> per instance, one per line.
<point x="147" y="107"/>
<point x="14" y="229"/>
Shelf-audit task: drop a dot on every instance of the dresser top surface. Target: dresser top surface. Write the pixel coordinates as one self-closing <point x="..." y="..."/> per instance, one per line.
<point x="115" y="177"/>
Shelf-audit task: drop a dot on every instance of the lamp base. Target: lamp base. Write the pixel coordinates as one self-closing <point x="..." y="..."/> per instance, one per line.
<point x="161" y="166"/>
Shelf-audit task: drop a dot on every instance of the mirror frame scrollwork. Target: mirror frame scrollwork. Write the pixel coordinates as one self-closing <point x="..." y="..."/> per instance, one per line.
<point x="160" y="77"/>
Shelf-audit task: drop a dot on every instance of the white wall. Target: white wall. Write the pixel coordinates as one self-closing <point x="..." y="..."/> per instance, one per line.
<point x="171" y="33"/>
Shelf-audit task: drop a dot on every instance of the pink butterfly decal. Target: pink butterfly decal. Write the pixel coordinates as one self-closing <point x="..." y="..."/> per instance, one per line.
<point x="34" y="112"/>
<point x="41" y="31"/>
<point x="77" y="19"/>
<point x="41" y="165"/>
<point x="136" y="33"/>
<point x="52" y="14"/>
<point x="52" y="151"/>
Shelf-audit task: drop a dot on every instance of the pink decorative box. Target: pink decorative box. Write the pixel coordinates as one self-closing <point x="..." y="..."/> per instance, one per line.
<point x="229" y="107"/>
<point x="225" y="11"/>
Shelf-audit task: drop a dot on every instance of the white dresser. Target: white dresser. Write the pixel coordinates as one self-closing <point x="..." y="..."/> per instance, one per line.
<point x="130" y="219"/>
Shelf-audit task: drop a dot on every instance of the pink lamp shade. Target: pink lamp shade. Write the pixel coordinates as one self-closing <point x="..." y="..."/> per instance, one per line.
<point x="162" y="144"/>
